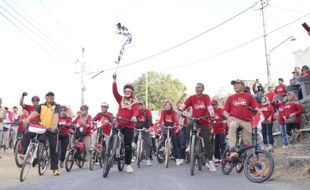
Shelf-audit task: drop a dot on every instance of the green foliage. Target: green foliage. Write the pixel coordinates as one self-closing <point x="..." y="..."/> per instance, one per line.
<point x="161" y="88"/>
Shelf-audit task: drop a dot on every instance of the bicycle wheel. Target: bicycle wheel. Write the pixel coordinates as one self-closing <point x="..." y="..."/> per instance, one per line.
<point x="161" y="152"/>
<point x="43" y="158"/>
<point x="259" y="166"/>
<point x="69" y="161"/>
<point x="192" y="155"/>
<point x="18" y="153"/>
<point x="92" y="160"/>
<point x="167" y="152"/>
<point x="81" y="158"/>
<point x="226" y="162"/>
<point x="27" y="164"/>
<point x="240" y="164"/>
<point x="121" y="160"/>
<point x="139" y="152"/>
<point x="199" y="155"/>
<point x="109" y="157"/>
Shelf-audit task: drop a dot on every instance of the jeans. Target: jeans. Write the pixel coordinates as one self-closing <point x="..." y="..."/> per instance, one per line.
<point x="284" y="134"/>
<point x="63" y="141"/>
<point x="219" y="145"/>
<point x="267" y="133"/>
<point x="182" y="142"/>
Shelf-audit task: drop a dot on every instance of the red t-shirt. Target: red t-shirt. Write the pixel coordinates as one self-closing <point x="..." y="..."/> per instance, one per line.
<point x="169" y="117"/>
<point x="106" y="120"/>
<point x="280" y="89"/>
<point x="290" y="108"/>
<point x="63" y="122"/>
<point x="125" y="111"/>
<point x="267" y="111"/>
<point x="144" y="118"/>
<point x="236" y="105"/>
<point x="199" y="106"/>
<point x="78" y="120"/>
<point x="31" y="109"/>
<point x="281" y="113"/>
<point x="270" y="96"/>
<point x="219" y="128"/>
<point x="21" y="127"/>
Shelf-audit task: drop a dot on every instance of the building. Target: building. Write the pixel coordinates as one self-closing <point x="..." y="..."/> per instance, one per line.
<point x="302" y="57"/>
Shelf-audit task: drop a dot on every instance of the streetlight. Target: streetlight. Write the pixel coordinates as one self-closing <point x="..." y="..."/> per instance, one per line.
<point x="291" y="38"/>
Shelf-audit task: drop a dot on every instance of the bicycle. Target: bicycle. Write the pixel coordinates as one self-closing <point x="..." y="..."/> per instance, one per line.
<point x="140" y="147"/>
<point x="37" y="152"/>
<point x="115" y="150"/>
<point x="196" y="145"/>
<point x="164" y="147"/>
<point x="97" y="152"/>
<point x="258" y="166"/>
<point x="77" y="152"/>
<point x="18" y="149"/>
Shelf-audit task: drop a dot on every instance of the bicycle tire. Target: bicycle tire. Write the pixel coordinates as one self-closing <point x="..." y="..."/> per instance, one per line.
<point x="139" y="153"/>
<point x="69" y="161"/>
<point x="199" y="155"/>
<point x="92" y="160"/>
<point x="81" y="159"/>
<point x="267" y="173"/>
<point x="167" y="152"/>
<point x="121" y="160"/>
<point x="17" y="152"/>
<point x="26" y="164"/>
<point x="160" y="153"/>
<point x="239" y="167"/>
<point x="226" y="163"/>
<point x="192" y="155"/>
<point x="43" y="158"/>
<point x="108" y="158"/>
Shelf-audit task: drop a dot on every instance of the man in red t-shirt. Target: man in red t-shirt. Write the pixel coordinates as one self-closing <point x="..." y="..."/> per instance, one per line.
<point x="280" y="90"/>
<point x="201" y="107"/>
<point x="30" y="108"/>
<point x="238" y="115"/>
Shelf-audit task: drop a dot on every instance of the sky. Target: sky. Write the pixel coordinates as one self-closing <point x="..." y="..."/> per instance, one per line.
<point x="60" y="28"/>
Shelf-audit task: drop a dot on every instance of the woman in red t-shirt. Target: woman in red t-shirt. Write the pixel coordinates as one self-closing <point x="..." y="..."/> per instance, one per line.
<point x="168" y="117"/>
<point x="64" y="124"/>
<point x="292" y="113"/>
<point x="83" y="121"/>
<point x="267" y="124"/>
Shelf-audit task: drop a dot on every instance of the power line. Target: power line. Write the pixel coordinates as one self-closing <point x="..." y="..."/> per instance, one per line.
<point x="32" y="31"/>
<point x="184" y="42"/>
<point x="38" y="44"/>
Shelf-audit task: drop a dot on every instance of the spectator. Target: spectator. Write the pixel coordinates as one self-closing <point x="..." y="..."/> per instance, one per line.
<point x="283" y="128"/>
<point x="270" y="95"/>
<point x="305" y="71"/>
<point x="280" y="90"/>
<point x="257" y="87"/>
<point x="267" y="124"/>
<point x="292" y="113"/>
<point x="6" y="129"/>
<point x="2" y="117"/>
<point x="296" y="74"/>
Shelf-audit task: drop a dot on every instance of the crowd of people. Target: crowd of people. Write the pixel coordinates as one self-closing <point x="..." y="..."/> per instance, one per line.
<point x="218" y="133"/>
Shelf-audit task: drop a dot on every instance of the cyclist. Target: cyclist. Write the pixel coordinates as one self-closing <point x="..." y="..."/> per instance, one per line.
<point x="128" y="109"/>
<point x="30" y="108"/>
<point x="168" y="117"/>
<point x="183" y="121"/>
<point x="201" y="107"/>
<point x="238" y="115"/>
<point x="64" y="124"/>
<point x="144" y="120"/>
<point x="106" y="120"/>
<point x="49" y="114"/>
<point x="83" y="121"/>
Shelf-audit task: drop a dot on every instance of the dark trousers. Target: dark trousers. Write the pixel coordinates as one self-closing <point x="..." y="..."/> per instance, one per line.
<point x="63" y="142"/>
<point x="219" y="145"/>
<point x="182" y="142"/>
<point x="52" y="139"/>
<point x="292" y="126"/>
<point x="128" y="137"/>
<point x="267" y="133"/>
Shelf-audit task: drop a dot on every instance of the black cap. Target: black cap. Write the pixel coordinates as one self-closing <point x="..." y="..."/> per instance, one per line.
<point x="50" y="94"/>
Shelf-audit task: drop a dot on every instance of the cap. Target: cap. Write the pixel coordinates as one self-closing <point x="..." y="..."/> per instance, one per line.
<point x="237" y="81"/>
<point x="50" y="94"/>
<point x="214" y="102"/>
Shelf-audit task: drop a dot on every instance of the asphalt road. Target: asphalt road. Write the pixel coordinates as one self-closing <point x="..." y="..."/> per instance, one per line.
<point x="155" y="177"/>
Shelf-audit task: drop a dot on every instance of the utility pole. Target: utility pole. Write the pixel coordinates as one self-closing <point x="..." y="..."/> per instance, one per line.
<point x="82" y="73"/>
<point x="264" y="4"/>
<point x="146" y="90"/>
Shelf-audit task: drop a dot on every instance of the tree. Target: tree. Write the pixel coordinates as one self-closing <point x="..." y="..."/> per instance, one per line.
<point x="161" y="88"/>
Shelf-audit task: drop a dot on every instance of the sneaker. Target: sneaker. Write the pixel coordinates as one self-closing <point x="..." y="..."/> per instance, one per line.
<point x="211" y="166"/>
<point x="178" y="162"/>
<point x="148" y="163"/>
<point x="56" y="172"/>
<point x="284" y="147"/>
<point x="216" y="160"/>
<point x="129" y="169"/>
<point x="182" y="161"/>
<point x="61" y="165"/>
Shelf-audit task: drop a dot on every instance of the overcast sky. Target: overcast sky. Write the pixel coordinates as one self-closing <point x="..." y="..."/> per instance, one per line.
<point x="48" y="64"/>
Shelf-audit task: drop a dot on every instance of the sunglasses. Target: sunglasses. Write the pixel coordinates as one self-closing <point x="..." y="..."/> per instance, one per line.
<point x="63" y="110"/>
<point x="35" y="100"/>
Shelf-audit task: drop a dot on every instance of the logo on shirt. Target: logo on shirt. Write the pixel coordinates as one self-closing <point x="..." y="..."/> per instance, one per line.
<point x="200" y="105"/>
<point x="240" y="102"/>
